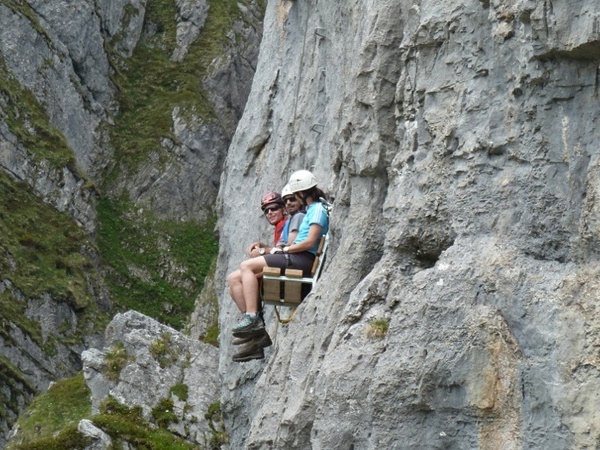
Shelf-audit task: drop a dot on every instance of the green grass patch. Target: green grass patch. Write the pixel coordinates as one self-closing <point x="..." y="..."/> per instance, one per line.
<point x="164" y="351"/>
<point x="59" y="409"/>
<point x="140" y="250"/>
<point x="378" y="328"/>
<point x="27" y="120"/>
<point x="163" y="413"/>
<point x="126" y="425"/>
<point x="40" y="248"/>
<point x="181" y="390"/>
<point x="67" y="439"/>
<point x="115" y="361"/>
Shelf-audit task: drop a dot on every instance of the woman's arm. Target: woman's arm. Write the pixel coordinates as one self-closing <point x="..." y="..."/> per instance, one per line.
<point x="314" y="234"/>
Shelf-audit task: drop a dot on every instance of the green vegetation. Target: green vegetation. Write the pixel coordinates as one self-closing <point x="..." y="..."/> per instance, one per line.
<point x="28" y="121"/>
<point x="68" y="438"/>
<point x="164" y="351"/>
<point x="140" y="249"/>
<point x="126" y="425"/>
<point x="59" y="409"/>
<point x="378" y="328"/>
<point x="43" y="252"/>
<point x="50" y="422"/>
<point x="47" y="248"/>
<point x="163" y="413"/>
<point x="151" y="85"/>
<point x="181" y="391"/>
<point x="218" y="436"/>
<point x="114" y="362"/>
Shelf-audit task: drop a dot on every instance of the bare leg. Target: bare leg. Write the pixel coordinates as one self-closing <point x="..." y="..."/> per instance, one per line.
<point x="235" y="289"/>
<point x="251" y="271"/>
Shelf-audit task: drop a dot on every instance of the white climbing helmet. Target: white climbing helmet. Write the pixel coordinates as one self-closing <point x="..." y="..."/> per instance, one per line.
<point x="286" y="191"/>
<point x="301" y="181"/>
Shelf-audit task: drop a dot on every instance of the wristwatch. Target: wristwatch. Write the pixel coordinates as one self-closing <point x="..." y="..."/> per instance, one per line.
<point x="261" y="251"/>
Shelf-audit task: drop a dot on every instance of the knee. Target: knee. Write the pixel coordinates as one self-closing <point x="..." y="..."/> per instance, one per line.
<point x="234" y="277"/>
<point x="244" y="266"/>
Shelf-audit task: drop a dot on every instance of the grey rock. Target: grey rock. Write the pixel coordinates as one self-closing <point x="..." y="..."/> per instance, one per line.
<point x="459" y="141"/>
<point x="186" y="187"/>
<point x="158" y="358"/>
<point x="191" y="16"/>
<point x="40" y="61"/>
<point x="101" y="440"/>
<point x="64" y="188"/>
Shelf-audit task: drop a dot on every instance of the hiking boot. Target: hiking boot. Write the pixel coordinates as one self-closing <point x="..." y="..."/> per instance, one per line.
<point x="256" y="353"/>
<point x="249" y="326"/>
<point x="253" y="349"/>
<point x="243" y="339"/>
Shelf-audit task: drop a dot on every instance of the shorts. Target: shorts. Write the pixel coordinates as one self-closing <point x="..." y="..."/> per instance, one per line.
<point x="303" y="261"/>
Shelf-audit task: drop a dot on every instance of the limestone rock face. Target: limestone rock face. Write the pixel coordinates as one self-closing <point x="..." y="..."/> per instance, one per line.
<point x="158" y="364"/>
<point x="459" y="140"/>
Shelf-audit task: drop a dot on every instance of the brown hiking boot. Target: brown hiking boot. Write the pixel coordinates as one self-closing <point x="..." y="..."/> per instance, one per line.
<point x="253" y="349"/>
<point x="242" y="339"/>
<point x="256" y="353"/>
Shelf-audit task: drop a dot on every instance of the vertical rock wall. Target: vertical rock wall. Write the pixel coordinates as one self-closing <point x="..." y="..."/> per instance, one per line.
<point x="460" y="142"/>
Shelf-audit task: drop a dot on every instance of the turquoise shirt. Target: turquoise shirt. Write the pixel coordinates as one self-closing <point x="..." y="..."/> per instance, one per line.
<point x="315" y="214"/>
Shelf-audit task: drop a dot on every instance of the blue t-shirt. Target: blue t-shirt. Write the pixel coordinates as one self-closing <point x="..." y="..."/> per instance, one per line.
<point x="315" y="214"/>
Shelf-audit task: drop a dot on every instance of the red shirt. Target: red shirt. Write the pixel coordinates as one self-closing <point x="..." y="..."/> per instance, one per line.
<point x="279" y="230"/>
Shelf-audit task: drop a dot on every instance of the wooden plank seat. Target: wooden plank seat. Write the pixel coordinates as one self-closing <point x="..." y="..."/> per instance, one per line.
<point x="291" y="287"/>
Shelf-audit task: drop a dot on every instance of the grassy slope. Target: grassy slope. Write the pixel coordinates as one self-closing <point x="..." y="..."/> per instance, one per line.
<point x="150" y="86"/>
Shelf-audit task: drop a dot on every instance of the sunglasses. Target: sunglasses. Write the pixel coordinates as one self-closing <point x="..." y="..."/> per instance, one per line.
<point x="290" y="199"/>
<point x="271" y="209"/>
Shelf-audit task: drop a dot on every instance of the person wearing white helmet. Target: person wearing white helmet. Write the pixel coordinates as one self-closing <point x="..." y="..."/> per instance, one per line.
<point x="295" y="214"/>
<point x="298" y="254"/>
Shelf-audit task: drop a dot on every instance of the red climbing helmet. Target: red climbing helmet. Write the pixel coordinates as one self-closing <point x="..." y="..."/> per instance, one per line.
<point x="271" y="197"/>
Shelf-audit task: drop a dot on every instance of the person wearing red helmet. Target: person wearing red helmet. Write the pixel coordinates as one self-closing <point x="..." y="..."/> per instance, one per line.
<point x="273" y="208"/>
<point x="298" y="254"/>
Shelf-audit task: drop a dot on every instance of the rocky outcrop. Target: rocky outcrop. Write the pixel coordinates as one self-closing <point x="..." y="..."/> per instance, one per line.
<point x="60" y="64"/>
<point x="459" y="142"/>
<point x="186" y="185"/>
<point x="157" y="366"/>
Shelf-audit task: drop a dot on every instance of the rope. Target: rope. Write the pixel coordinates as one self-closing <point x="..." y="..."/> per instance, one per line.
<point x="286" y="320"/>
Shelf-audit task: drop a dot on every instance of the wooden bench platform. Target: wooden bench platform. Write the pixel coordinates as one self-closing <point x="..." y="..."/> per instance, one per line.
<point x="291" y="287"/>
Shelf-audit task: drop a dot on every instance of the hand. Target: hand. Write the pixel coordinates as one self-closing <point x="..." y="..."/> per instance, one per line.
<point x="253" y="248"/>
<point x="286" y="249"/>
<point x="276" y="250"/>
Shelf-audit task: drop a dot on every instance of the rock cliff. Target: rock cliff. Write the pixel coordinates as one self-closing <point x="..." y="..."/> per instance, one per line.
<point x="457" y="304"/>
<point x="459" y="141"/>
<point x="115" y="117"/>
